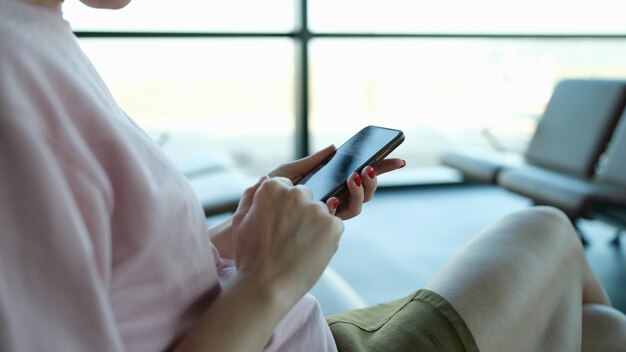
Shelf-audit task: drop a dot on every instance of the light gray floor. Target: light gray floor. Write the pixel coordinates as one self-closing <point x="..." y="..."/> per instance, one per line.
<point x="404" y="236"/>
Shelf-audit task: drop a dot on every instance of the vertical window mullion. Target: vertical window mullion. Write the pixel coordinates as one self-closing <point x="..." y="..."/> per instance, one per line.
<point x="301" y="81"/>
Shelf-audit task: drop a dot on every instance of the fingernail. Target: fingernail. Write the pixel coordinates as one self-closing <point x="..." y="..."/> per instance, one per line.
<point x="370" y="172"/>
<point x="357" y="179"/>
<point x="403" y="163"/>
<point x="335" y="203"/>
<point x="263" y="178"/>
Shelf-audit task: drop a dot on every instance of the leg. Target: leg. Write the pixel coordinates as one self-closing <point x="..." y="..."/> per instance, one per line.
<point x="604" y="329"/>
<point x="581" y="234"/>
<point x="521" y="283"/>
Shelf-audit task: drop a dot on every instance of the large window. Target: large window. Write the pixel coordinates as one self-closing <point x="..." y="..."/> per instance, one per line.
<point x="454" y="17"/>
<point x="269" y="81"/>
<point x="232" y="95"/>
<point x="444" y="92"/>
<point x="243" y="16"/>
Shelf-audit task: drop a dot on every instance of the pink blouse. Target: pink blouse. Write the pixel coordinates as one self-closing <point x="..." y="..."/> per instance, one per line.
<point x="103" y="245"/>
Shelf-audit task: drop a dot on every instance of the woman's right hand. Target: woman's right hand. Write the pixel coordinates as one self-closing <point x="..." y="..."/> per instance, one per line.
<point x="283" y="238"/>
<point x="283" y="241"/>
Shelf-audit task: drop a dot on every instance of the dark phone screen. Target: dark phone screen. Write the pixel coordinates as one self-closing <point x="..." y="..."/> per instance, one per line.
<point x="351" y="156"/>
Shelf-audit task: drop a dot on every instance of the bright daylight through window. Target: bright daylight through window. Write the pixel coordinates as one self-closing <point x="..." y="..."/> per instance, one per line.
<point x="448" y="73"/>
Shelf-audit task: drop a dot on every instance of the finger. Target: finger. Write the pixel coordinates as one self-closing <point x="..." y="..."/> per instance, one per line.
<point x="356" y="195"/>
<point x="387" y="165"/>
<point x="310" y="162"/>
<point x="368" y="176"/>
<point x="306" y="190"/>
<point x="305" y="165"/>
<point x="248" y="195"/>
<point x="283" y="180"/>
<point x="332" y="203"/>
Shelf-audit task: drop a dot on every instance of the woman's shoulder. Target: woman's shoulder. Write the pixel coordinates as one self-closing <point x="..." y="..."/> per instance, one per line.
<point x="29" y="32"/>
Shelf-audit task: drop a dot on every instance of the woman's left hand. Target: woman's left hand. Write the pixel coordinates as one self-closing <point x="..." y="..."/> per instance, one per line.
<point x="360" y="192"/>
<point x="361" y="187"/>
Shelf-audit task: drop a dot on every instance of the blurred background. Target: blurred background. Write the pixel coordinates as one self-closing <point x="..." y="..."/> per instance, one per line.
<point x="251" y="84"/>
<point x="268" y="81"/>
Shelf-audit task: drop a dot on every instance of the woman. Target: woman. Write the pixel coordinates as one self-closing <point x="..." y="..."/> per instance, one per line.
<point x="104" y="245"/>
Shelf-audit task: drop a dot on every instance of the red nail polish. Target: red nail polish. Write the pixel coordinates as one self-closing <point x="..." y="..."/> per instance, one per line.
<point x="335" y="203"/>
<point x="357" y="180"/>
<point x="371" y="173"/>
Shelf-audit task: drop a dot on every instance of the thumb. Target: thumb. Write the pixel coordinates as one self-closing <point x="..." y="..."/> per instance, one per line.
<point x="296" y="169"/>
<point x="310" y="162"/>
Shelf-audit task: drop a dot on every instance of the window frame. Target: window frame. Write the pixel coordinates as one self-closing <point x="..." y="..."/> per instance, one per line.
<point x="302" y="36"/>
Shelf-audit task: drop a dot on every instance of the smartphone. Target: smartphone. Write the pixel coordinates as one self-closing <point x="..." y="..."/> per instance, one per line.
<point x="369" y="146"/>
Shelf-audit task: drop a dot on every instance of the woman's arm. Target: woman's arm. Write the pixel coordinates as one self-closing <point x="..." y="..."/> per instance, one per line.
<point x="283" y="240"/>
<point x="241" y="318"/>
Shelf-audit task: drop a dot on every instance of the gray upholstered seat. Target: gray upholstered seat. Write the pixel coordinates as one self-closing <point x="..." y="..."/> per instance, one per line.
<point x="569" y="138"/>
<point x="571" y="192"/>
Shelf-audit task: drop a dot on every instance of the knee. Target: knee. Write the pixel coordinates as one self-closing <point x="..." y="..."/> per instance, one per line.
<point x="551" y="217"/>
<point x="604" y="328"/>
<point x="548" y="226"/>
